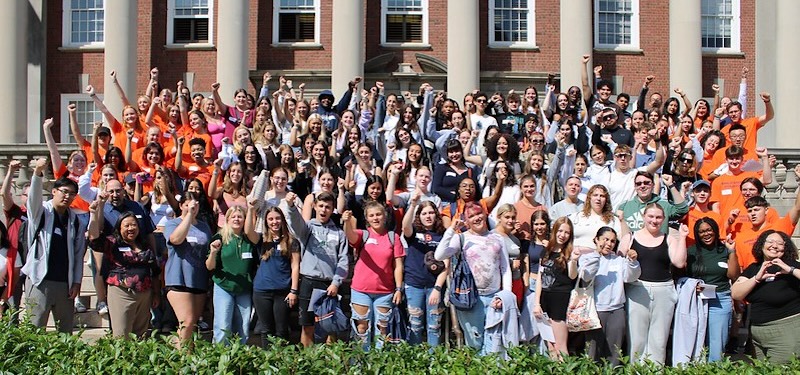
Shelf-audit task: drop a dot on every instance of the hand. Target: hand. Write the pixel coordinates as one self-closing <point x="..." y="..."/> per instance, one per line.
<point x="129" y="133"/>
<point x="39" y="165"/>
<point x="648" y="80"/>
<point x="684" y="230"/>
<point x="74" y="291"/>
<point x="215" y="246"/>
<point x="282" y="81"/>
<point x="773" y="161"/>
<point x="585" y="59"/>
<point x="181" y="140"/>
<point x="730" y="244"/>
<point x="497" y="303"/>
<point x="215" y="86"/>
<point x="267" y="76"/>
<point x="785" y="268"/>
<point x="333" y="290"/>
<point x="415" y="197"/>
<point x="734" y="213"/>
<point x="744" y="72"/>
<point x="597" y="70"/>
<point x="762" y="274"/>
<point x="48" y="124"/>
<point x="90" y="90"/>
<point x="289" y="83"/>
<point x="761" y="152"/>
<point x="92" y="166"/>
<point x="501" y="174"/>
<point x="434" y="298"/>
<point x="632" y="255"/>
<point x="192" y="208"/>
<point x="356" y="80"/>
<point x="347" y="216"/>
<point x="291" y="299"/>
<point x="290" y="198"/>
<point x="719" y="112"/>
<point x="679" y="91"/>
<point x="302" y="86"/>
<point x="218" y="163"/>
<point x="537" y="311"/>
<point x="14" y="166"/>
<point x="667" y="178"/>
<point x="154" y="74"/>
<point x="575" y="255"/>
<point x="765" y="96"/>
<point x="715" y="89"/>
<point x="397" y="297"/>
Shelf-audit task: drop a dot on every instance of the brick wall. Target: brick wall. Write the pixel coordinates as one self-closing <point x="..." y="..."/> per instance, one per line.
<point x="65" y="66"/>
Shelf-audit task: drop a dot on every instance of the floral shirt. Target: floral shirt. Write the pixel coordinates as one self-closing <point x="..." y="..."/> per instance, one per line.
<point x="125" y="267"/>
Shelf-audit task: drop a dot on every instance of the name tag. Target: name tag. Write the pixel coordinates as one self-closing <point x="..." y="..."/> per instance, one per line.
<point x="727" y="192"/>
<point x="723" y="265"/>
<point x="125" y="249"/>
<point x="372" y="241"/>
<point x="247" y="255"/>
<point x="135" y="140"/>
<point x="167" y="135"/>
<point x="614" y="268"/>
<point x="451" y="174"/>
<point x="194" y="168"/>
<point x="333" y="238"/>
<point x="191" y="240"/>
<point x="138" y="216"/>
<point x="57" y="232"/>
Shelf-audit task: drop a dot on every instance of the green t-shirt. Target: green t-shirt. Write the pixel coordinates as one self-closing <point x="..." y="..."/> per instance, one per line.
<point x="711" y="266"/>
<point x="236" y="261"/>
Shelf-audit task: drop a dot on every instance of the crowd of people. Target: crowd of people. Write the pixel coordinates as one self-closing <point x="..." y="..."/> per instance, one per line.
<point x="272" y="202"/>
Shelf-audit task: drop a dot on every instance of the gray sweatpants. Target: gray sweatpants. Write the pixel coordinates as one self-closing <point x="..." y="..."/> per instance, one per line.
<point x="50" y="296"/>
<point x="607" y="341"/>
<point x="651" y="306"/>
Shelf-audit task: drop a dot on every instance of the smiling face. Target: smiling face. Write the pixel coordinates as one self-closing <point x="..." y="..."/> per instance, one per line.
<point x="774" y="247"/>
<point x="376" y="217"/>
<point x="563" y="234"/>
<point x="598" y="155"/>
<point x="653" y="218"/>
<point x="706" y="234"/>
<point x="712" y="143"/>
<point x="326" y="182"/>
<point x="528" y="188"/>
<point x="606" y="243"/>
<point x="477" y="222"/>
<point x="374" y="190"/>
<point x="129" y="229"/>
<point x="507" y="220"/>
<point x="536" y="163"/>
<point x="236" y="219"/>
<point x="279" y="180"/>
<point x="701" y="194"/>
<point x="539" y="227"/>
<point x="644" y="187"/>
<point x="502" y="146"/>
<point x="348" y="119"/>
<point x="274" y="222"/>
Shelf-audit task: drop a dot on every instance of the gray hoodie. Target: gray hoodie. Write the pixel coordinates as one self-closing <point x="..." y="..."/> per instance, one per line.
<point x="324" y="247"/>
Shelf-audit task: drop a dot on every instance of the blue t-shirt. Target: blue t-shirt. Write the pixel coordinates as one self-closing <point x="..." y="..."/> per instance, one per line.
<point x="186" y="262"/>
<point x="274" y="273"/>
<point x="534" y="253"/>
<point x="415" y="272"/>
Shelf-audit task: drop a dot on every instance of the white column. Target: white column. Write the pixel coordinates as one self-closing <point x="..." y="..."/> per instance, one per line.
<point x="232" y="50"/>
<point x="786" y="96"/>
<point x="463" y="48"/>
<point x="347" y="44"/>
<point x="14" y="71"/>
<point x="576" y="40"/>
<point x="37" y="66"/>
<point x="685" y="51"/>
<point x="120" y="53"/>
<point x="766" y="76"/>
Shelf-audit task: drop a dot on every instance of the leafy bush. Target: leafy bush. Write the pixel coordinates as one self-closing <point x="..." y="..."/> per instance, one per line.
<point x="29" y="350"/>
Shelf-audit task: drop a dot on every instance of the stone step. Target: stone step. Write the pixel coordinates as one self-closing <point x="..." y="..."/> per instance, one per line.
<point x="88" y="319"/>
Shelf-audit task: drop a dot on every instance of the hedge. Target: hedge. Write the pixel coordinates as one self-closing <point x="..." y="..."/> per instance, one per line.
<point x="30" y="350"/>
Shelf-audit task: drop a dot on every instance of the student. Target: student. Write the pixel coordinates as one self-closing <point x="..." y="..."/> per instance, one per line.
<point x="324" y="262"/>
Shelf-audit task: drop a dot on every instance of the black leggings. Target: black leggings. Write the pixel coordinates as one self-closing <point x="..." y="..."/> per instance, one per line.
<point x="273" y="312"/>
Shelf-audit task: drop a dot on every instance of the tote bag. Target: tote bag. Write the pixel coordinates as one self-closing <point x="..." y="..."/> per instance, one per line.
<point x="581" y="313"/>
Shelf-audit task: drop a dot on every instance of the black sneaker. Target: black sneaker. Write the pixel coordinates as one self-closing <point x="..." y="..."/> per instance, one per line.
<point x="203" y="327"/>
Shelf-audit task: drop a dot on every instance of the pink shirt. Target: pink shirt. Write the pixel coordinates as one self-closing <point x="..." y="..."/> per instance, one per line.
<point x="374" y="270"/>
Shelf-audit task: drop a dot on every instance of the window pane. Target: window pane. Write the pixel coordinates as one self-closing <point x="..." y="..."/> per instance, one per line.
<point x="296" y="27"/>
<point x="403" y="28"/>
<point x="86" y="21"/>
<point x="87" y="116"/>
<point x="614" y="20"/>
<point x="511" y="20"/>
<point x="717" y="23"/>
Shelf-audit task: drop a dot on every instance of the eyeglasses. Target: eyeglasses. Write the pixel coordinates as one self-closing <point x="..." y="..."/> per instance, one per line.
<point x="740" y="136"/>
<point x="480" y="101"/>
<point x="622" y="156"/>
<point x="686" y="160"/>
<point x="609" y="117"/>
<point x="643" y="183"/>
<point x="68" y="192"/>
<point x="537" y="141"/>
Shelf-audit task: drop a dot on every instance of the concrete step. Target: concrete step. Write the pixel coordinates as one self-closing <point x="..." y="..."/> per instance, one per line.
<point x="88" y="319"/>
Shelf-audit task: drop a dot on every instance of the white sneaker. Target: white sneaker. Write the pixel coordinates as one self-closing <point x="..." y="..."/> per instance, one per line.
<point x="102" y="308"/>
<point x="79" y="307"/>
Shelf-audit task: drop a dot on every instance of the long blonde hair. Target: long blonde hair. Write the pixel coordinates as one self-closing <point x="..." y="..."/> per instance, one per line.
<point x="226" y="232"/>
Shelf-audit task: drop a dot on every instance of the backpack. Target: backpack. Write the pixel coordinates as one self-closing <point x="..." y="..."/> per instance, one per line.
<point x="365" y="237"/>
<point x="463" y="292"/>
<point x="22" y="237"/>
<point x="398" y="330"/>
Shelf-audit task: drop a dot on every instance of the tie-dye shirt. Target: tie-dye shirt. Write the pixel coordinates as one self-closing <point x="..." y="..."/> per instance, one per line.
<point x="486" y="256"/>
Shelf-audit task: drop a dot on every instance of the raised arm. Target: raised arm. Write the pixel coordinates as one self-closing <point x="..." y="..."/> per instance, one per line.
<point x="250" y="220"/>
<point x="794" y="212"/>
<point x="102" y="108"/>
<point x="743" y="91"/>
<point x="469" y="158"/>
<point x="96" y="218"/>
<point x="770" y="112"/>
<point x="687" y="104"/>
<point x="588" y="92"/>
<point x="153" y="84"/>
<point x="353" y="237"/>
<point x="408" y="217"/>
<point x="178" y="236"/>
<point x="119" y="90"/>
<point x="73" y="125"/>
<point x="391" y="185"/>
<point x="222" y="108"/>
<point x="766" y="168"/>
<point x="677" y="247"/>
<point x="643" y="94"/>
<point x="55" y="157"/>
<point x="491" y="201"/>
<point x="661" y="154"/>
<point x="8" y="199"/>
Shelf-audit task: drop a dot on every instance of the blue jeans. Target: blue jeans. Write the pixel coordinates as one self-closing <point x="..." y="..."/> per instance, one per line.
<point x="719" y="323"/>
<point x="473" y="321"/>
<point x="375" y="319"/>
<point x="231" y="315"/>
<point x="417" y="299"/>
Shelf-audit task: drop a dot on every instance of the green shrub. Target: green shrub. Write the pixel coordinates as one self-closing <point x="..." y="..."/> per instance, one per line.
<point x="29" y="350"/>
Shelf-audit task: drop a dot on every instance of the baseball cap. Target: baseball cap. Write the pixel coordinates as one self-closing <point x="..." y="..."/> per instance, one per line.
<point x="698" y="183"/>
<point x="531" y="117"/>
<point x="104" y="130"/>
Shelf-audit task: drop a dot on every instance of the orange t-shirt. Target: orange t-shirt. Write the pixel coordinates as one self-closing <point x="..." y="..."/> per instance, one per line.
<point x="725" y="190"/>
<point x="719" y="157"/>
<point x="460" y="205"/>
<point x="87" y="149"/>
<point x="695" y="214"/>
<point x="524" y="213"/>
<point x="746" y="238"/>
<point x="78" y="203"/>
<point x="191" y="170"/>
<point x="187" y="149"/>
<point x="121" y="137"/>
<point x="751" y="126"/>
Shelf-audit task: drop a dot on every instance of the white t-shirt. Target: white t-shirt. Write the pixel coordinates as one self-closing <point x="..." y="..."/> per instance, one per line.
<point x="621" y="187"/>
<point x="585" y="228"/>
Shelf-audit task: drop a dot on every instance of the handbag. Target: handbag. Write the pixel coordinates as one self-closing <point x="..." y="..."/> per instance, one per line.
<point x="398" y="329"/>
<point x="582" y="313"/>
<point x="463" y="292"/>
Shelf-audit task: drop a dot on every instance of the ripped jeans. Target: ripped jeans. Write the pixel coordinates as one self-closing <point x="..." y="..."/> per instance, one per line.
<point x="379" y="307"/>
<point x="473" y="321"/>
<point x="421" y="313"/>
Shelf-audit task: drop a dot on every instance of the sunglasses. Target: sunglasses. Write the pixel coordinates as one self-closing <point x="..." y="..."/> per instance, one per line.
<point x="643" y="183"/>
<point x="686" y="160"/>
<point x="480" y="101"/>
<point x="537" y="141"/>
<point x="609" y="117"/>
<point x="622" y="156"/>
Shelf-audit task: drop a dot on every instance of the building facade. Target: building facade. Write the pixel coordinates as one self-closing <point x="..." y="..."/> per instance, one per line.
<point x="458" y="45"/>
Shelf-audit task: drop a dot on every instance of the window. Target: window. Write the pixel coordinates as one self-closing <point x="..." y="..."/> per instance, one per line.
<point x="83" y="23"/>
<point x="511" y="23"/>
<point x="87" y="113"/>
<point x="404" y="22"/>
<point x="720" y="25"/>
<point x="616" y="24"/>
<point x="189" y="22"/>
<point x="296" y="22"/>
